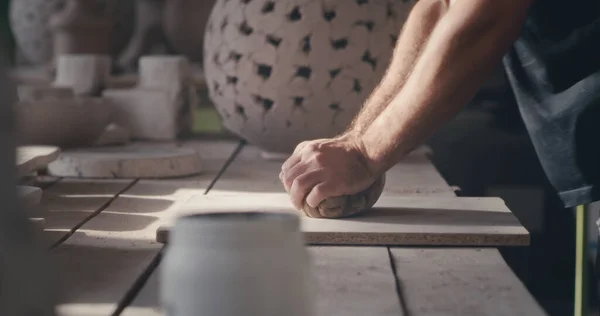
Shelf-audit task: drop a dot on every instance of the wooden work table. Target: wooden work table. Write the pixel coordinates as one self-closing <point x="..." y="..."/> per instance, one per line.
<point x="102" y="238"/>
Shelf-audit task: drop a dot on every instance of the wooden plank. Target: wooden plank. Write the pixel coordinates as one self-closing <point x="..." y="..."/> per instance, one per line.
<point x="94" y="279"/>
<point x="460" y="282"/>
<point x="147" y="302"/>
<point x="347" y="281"/>
<point x="108" y="253"/>
<point x="414" y="176"/>
<point x="120" y="238"/>
<point x="354" y="281"/>
<point x="394" y="220"/>
<point x="71" y="201"/>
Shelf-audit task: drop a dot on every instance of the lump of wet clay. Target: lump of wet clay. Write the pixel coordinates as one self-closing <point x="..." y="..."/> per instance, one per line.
<point x="347" y="205"/>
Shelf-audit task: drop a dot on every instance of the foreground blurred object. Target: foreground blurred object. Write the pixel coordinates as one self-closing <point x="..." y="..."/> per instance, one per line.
<point x="226" y="264"/>
<point x="24" y="276"/>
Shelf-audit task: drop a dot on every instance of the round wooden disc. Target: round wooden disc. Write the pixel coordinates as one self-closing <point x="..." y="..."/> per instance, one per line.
<point x="126" y="162"/>
<point x="33" y="158"/>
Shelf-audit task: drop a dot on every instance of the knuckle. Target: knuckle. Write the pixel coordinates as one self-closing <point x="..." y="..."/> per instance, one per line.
<point x="287" y="179"/>
<point x="318" y="192"/>
<point x="312" y="146"/>
<point x="319" y="158"/>
<point x="299" y="183"/>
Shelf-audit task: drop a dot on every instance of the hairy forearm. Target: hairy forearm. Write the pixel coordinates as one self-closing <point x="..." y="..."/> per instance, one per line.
<point x="460" y="54"/>
<point x="415" y="32"/>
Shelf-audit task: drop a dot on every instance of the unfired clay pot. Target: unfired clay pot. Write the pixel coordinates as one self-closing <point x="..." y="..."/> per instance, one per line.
<point x="281" y="72"/>
<point x="184" y="23"/>
<point x="81" y="28"/>
<point x="236" y="264"/>
<point x="29" y="25"/>
<point x="63" y="122"/>
<point x="148" y="33"/>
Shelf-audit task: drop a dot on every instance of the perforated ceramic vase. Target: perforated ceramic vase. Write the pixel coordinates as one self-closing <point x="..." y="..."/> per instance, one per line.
<point x="280" y="72"/>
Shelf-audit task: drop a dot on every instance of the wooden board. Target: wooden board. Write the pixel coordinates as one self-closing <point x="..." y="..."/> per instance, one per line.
<point x="71" y="201"/>
<point x="94" y="278"/>
<point x="100" y="263"/>
<point x="392" y="221"/>
<point x="414" y="176"/>
<point x="33" y="158"/>
<point x="466" y="282"/>
<point x="347" y="281"/>
<point x="126" y="162"/>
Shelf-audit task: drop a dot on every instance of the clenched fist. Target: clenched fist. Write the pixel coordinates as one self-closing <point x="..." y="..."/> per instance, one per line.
<point x="331" y="178"/>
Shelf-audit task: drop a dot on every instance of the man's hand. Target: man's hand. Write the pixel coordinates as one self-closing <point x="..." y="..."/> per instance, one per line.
<point x="324" y="168"/>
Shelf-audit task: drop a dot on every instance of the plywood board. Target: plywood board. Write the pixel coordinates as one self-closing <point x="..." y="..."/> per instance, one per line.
<point x="347" y="281"/>
<point x="459" y="281"/>
<point x="393" y="220"/>
<point x="93" y="279"/>
<point x="416" y="175"/>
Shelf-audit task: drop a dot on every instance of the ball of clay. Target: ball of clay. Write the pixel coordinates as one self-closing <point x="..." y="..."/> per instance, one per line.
<point x="347" y="205"/>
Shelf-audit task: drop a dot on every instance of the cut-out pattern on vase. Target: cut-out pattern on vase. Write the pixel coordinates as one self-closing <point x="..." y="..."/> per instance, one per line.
<point x="281" y="72"/>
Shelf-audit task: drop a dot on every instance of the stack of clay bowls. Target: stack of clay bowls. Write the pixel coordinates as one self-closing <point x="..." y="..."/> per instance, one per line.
<point x="53" y="116"/>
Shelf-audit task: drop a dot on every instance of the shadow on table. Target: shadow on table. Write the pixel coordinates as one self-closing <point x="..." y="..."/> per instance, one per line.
<point x="123" y="213"/>
<point x="95" y="278"/>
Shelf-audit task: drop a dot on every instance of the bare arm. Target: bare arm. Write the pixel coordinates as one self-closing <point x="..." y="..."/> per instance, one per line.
<point x="460" y="54"/>
<point x="417" y="28"/>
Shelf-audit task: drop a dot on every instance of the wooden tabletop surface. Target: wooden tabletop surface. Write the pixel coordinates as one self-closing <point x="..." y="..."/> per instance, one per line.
<point x="102" y="238"/>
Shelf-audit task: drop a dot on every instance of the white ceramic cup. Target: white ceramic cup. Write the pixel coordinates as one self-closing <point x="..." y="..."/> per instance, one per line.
<point x="234" y="264"/>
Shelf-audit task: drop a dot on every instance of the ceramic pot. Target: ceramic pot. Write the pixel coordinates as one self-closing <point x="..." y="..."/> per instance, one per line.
<point x="236" y="264"/>
<point x="147" y="33"/>
<point x="86" y="75"/>
<point x="283" y="73"/>
<point x="81" y="28"/>
<point x="29" y="23"/>
<point x="66" y="123"/>
<point x="184" y="23"/>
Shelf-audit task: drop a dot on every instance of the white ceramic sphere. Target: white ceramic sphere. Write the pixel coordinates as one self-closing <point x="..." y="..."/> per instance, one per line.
<point x="281" y="72"/>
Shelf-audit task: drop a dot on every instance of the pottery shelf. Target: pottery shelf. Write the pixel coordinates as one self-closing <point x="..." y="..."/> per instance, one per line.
<point x="41" y="76"/>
